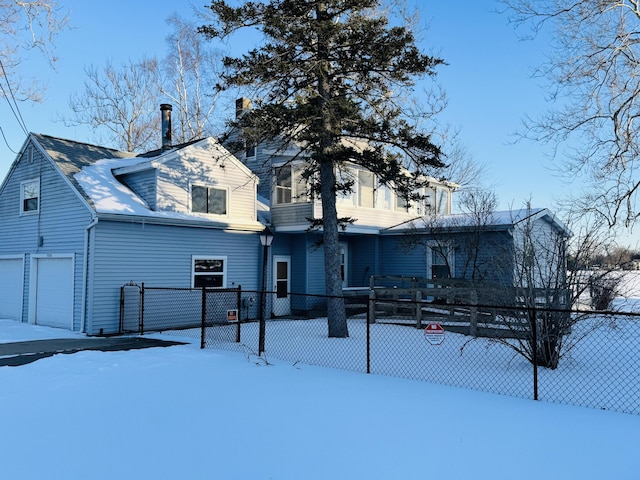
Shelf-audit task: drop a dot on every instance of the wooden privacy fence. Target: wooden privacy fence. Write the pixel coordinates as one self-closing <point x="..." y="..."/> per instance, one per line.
<point x="474" y="309"/>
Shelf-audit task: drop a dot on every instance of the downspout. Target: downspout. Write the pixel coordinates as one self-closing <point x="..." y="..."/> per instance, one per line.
<point x="85" y="273"/>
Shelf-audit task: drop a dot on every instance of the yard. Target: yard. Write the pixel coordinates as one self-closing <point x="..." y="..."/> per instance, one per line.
<point x="182" y="412"/>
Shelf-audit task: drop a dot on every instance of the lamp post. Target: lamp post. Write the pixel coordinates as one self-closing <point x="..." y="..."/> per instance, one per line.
<point x="266" y="237"/>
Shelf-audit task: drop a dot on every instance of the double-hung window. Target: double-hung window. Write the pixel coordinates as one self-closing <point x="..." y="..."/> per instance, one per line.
<point x="291" y="186"/>
<point x="209" y="200"/>
<point x="209" y="272"/>
<point x="30" y="196"/>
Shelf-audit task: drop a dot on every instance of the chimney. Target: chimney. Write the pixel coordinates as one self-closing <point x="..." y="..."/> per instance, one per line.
<point x="165" y="110"/>
<point x="242" y="105"/>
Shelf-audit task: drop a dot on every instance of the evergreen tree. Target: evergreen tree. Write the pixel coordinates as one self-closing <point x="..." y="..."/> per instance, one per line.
<point x="332" y="78"/>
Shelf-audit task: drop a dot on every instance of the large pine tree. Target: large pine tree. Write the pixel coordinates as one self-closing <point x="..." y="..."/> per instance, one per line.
<point x="333" y="74"/>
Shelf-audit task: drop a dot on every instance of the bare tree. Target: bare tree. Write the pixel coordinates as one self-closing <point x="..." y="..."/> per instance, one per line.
<point x="26" y="25"/>
<point x="555" y="302"/>
<point x="593" y="73"/>
<point x="120" y="104"/>
<point x="186" y="77"/>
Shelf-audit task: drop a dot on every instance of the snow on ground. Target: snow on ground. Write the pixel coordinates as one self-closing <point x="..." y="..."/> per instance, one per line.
<point x="186" y="413"/>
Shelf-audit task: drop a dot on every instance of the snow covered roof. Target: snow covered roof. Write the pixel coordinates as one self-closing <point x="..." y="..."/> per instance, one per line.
<point x="499" y="220"/>
<point x="93" y="170"/>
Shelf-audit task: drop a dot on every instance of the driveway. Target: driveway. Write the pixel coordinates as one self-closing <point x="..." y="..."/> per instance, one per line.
<point x="20" y="353"/>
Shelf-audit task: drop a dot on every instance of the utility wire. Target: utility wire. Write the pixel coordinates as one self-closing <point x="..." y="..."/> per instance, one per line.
<point x="13" y="104"/>
<point x="6" y="142"/>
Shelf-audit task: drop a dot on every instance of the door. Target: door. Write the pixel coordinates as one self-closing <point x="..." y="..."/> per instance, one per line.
<point x="11" y="282"/>
<point x="281" y="283"/>
<point x="51" y="302"/>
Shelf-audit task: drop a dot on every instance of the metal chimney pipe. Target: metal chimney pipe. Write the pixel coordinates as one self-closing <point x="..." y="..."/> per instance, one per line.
<point x="165" y="110"/>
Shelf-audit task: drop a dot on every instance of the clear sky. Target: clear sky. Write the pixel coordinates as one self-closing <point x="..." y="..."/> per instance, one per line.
<point x="488" y="82"/>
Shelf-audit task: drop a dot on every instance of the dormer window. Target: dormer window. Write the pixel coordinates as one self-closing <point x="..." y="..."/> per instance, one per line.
<point x="209" y="200"/>
<point x="30" y="196"/>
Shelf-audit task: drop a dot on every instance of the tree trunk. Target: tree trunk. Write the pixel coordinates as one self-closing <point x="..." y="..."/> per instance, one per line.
<point x="336" y="316"/>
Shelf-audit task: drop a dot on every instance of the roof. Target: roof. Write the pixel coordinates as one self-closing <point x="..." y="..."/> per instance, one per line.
<point x="92" y="171"/>
<point x="71" y="156"/>
<point x="495" y="221"/>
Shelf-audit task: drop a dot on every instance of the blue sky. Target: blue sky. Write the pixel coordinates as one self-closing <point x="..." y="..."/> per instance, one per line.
<point x="487" y="80"/>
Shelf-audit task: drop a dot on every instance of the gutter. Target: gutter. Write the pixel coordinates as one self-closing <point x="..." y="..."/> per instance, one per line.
<point x="180" y="222"/>
<point x="85" y="274"/>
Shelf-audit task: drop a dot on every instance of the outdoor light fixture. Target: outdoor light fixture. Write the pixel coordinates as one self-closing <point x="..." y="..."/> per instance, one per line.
<point x="266" y="237"/>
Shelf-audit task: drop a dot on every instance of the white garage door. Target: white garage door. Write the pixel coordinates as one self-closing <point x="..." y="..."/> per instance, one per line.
<point x="11" y="280"/>
<point x="54" y="292"/>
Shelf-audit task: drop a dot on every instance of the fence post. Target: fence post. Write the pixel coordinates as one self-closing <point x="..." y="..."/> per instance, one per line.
<point x="371" y="307"/>
<point x="121" y="310"/>
<point x="418" y="308"/>
<point x="473" y="313"/>
<point x="370" y="313"/>
<point x="203" y="318"/>
<point x="141" y="323"/>
<point x="533" y="318"/>
<point x="239" y="316"/>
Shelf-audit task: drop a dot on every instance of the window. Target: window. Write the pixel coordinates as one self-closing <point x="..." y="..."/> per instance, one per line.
<point x="401" y="203"/>
<point x="250" y="150"/>
<point x="383" y="196"/>
<point x="441" y="261"/>
<point x="30" y="196"/>
<point x="208" y="200"/>
<point x="365" y="189"/>
<point x="415" y="207"/>
<point x="209" y="272"/>
<point x="346" y="176"/>
<point x="291" y="186"/>
<point x="283" y="184"/>
<point x="442" y="203"/>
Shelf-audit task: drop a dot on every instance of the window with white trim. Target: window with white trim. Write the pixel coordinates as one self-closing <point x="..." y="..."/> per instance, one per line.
<point x="440" y="260"/>
<point x="209" y="272"/>
<point x="30" y="196"/>
<point x="442" y="201"/>
<point x="344" y="176"/>
<point x="383" y="196"/>
<point x="290" y="185"/>
<point x="366" y="192"/>
<point x="209" y="200"/>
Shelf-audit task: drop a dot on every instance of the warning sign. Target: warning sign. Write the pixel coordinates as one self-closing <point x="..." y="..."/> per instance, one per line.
<point x="232" y="315"/>
<point x="434" y="333"/>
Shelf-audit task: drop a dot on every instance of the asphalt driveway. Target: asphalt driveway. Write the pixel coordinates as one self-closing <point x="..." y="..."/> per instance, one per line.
<point x="20" y="353"/>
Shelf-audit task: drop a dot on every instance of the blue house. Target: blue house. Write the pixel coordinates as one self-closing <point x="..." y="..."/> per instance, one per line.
<point x="78" y="221"/>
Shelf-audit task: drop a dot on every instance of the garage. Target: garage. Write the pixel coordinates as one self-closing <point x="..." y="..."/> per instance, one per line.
<point x="51" y="304"/>
<point x="11" y="281"/>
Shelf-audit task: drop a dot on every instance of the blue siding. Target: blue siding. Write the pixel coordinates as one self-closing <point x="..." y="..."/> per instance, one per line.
<point x="397" y="260"/>
<point x="486" y="257"/>
<point x="144" y="184"/>
<point x="160" y="255"/>
<point x="61" y="222"/>
<point x="362" y="259"/>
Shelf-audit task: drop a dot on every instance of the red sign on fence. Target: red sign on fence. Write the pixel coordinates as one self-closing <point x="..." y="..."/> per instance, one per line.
<point x="232" y="315"/>
<point x="434" y="333"/>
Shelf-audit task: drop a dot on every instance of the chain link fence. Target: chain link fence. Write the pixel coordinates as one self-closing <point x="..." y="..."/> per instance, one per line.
<point x="592" y="358"/>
